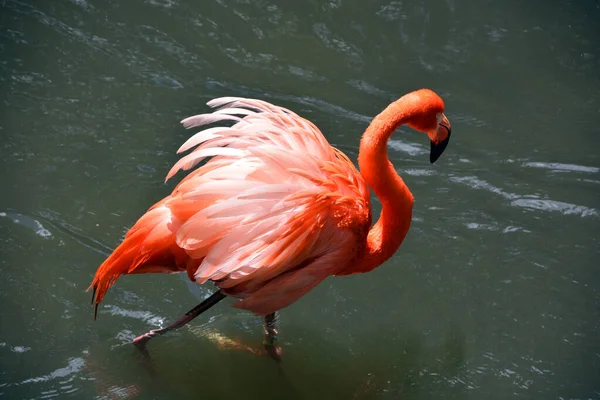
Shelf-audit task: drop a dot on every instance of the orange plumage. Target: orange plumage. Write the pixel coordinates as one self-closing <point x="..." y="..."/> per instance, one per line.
<point x="276" y="209"/>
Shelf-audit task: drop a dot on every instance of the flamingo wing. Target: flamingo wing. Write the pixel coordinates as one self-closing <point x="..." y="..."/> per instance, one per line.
<point x="274" y="211"/>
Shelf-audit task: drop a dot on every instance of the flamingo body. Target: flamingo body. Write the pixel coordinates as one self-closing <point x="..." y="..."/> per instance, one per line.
<point x="276" y="209"/>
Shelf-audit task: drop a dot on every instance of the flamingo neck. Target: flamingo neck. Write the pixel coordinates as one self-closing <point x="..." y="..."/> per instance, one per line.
<point x="391" y="228"/>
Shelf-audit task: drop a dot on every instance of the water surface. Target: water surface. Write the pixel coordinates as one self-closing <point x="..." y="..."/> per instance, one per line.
<point x="494" y="293"/>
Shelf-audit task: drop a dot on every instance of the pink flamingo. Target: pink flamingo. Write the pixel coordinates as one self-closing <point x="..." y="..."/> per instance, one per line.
<point x="276" y="209"/>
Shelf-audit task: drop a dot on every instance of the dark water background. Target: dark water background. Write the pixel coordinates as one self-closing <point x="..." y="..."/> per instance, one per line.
<point x="495" y="292"/>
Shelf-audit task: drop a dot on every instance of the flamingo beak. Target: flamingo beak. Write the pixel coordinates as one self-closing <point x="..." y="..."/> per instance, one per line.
<point x="438" y="146"/>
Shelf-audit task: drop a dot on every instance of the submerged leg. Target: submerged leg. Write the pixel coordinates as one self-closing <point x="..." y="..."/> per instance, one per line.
<point x="270" y="341"/>
<point x="141" y="340"/>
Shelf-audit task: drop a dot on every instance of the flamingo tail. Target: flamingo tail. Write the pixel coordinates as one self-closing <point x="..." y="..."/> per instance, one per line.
<point x="148" y="247"/>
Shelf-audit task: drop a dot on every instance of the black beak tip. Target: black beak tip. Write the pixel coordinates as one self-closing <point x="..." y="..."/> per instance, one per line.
<point x="437" y="149"/>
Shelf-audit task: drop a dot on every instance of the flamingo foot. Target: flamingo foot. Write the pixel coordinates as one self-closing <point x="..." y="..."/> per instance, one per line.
<point x="141" y="340"/>
<point x="270" y="340"/>
<point x="273" y="351"/>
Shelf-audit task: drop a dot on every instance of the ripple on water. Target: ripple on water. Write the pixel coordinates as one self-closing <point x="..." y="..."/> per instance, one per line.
<point x="28" y="222"/>
<point x="486" y="227"/>
<point x="20" y="349"/>
<point x="410" y="148"/>
<point x="164" y="80"/>
<point x="48" y="394"/>
<point x="477" y="183"/>
<point x="338" y="44"/>
<point x="83" y="4"/>
<point x="125" y="337"/>
<point x="145" y="316"/>
<point x="531" y="202"/>
<point x="558" y="206"/>
<point x="370" y="89"/>
<point x="61" y="379"/>
<point x="558" y="167"/>
<point x="493" y="227"/>
<point x="162" y="3"/>
<point x="146" y="168"/>
<point x="305" y="73"/>
<point x="419" y="172"/>
<point x="74" y="365"/>
<point x="465" y="119"/>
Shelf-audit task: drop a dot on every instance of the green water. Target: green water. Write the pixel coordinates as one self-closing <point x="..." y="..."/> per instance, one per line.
<point x="493" y="295"/>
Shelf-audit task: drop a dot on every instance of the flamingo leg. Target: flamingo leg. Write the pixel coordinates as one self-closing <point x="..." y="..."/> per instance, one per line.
<point x="270" y="340"/>
<point x="140" y="341"/>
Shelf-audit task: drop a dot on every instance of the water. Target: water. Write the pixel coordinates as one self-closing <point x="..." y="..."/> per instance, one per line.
<point x="494" y="293"/>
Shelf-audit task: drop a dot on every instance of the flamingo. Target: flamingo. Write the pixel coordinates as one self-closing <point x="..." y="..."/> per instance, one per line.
<point x="276" y="209"/>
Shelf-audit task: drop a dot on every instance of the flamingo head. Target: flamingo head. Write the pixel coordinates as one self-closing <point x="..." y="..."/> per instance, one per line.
<point x="428" y="117"/>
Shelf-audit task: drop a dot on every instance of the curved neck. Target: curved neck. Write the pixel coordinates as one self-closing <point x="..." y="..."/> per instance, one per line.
<point x="387" y="234"/>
